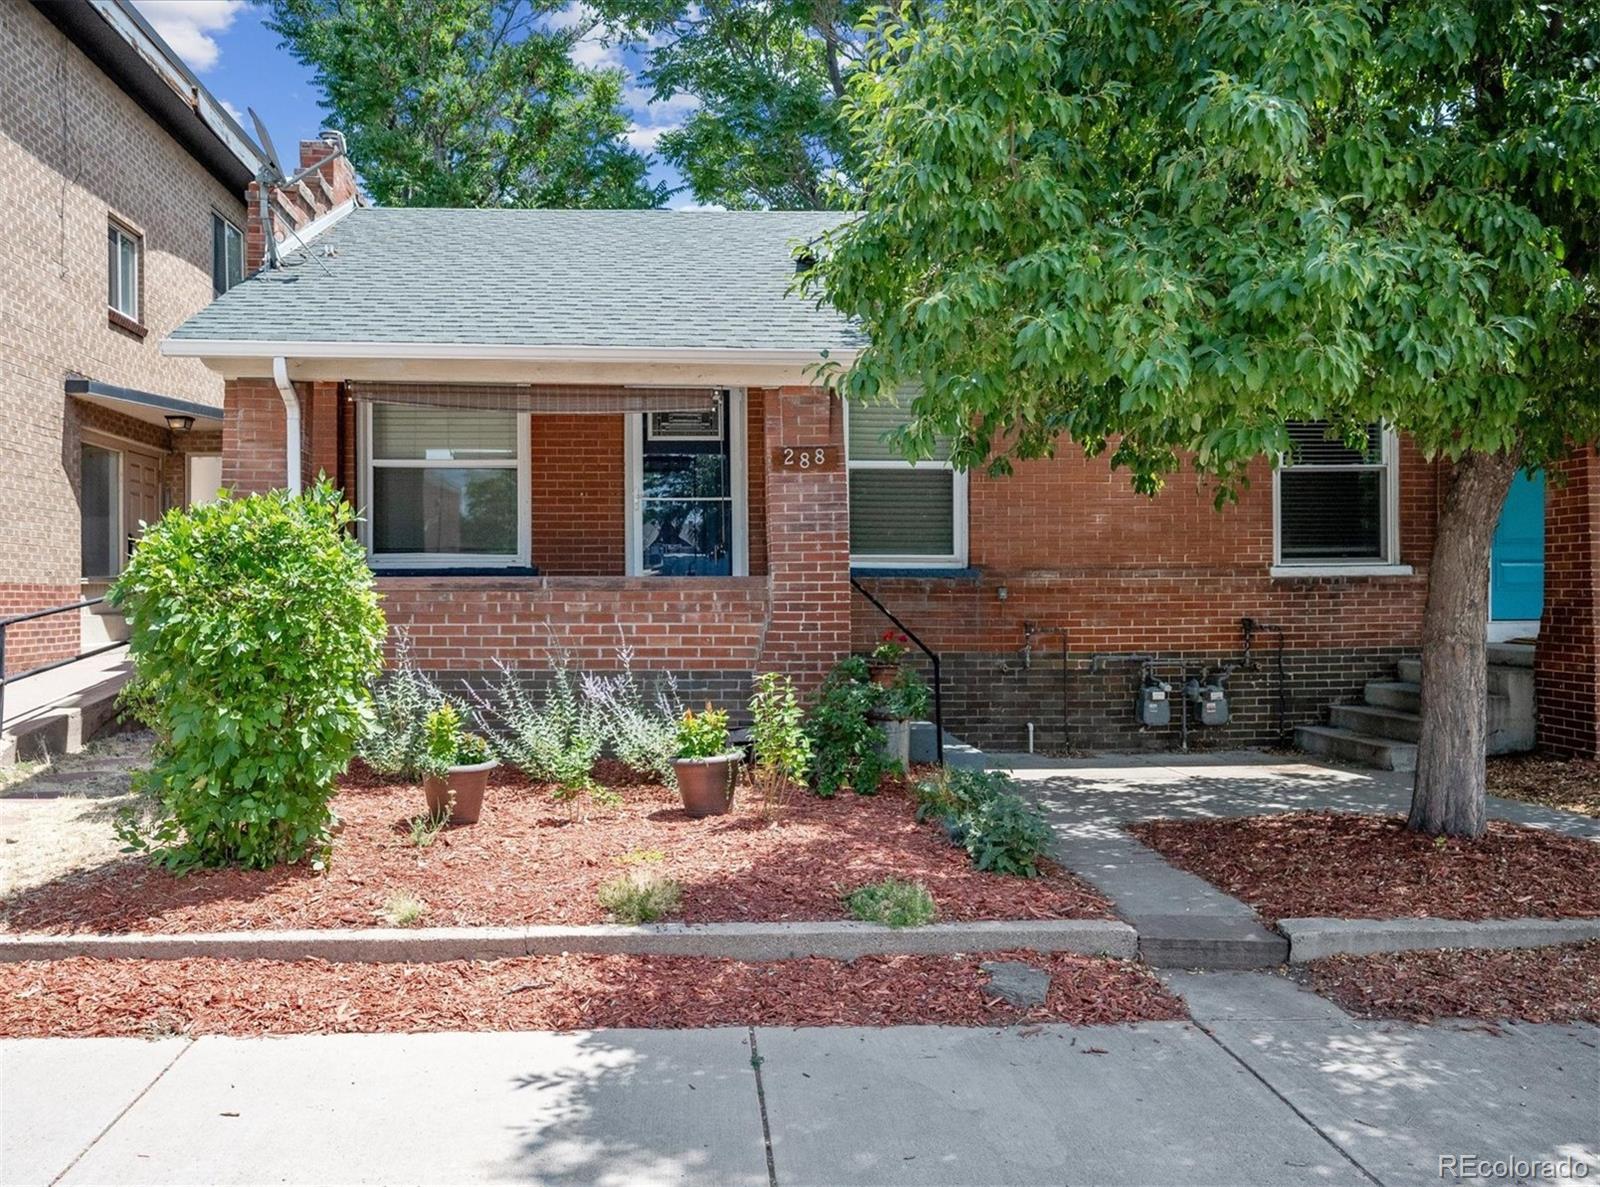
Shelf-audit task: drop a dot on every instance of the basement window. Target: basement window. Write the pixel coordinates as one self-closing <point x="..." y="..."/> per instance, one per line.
<point x="1335" y="505"/>
<point x="902" y="514"/>
<point x="448" y="487"/>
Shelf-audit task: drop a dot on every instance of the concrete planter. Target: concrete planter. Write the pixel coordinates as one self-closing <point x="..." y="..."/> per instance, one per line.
<point x="706" y="784"/>
<point x="460" y="790"/>
<point x="897" y="740"/>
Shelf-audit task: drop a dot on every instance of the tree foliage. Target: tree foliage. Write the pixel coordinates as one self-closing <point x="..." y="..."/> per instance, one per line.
<point x="467" y="103"/>
<point x="255" y="632"/>
<point x="768" y="77"/>
<point x="1168" y="226"/>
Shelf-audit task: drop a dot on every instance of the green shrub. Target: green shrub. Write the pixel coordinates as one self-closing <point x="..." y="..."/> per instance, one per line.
<point x="981" y="812"/>
<point x="642" y="731"/>
<point x="847" y="745"/>
<point x="256" y="633"/>
<point x="778" y="741"/>
<point x="640" y="896"/>
<point x="447" y="744"/>
<point x="892" y="902"/>
<point x="703" y="734"/>
<point x="395" y="741"/>
<point x="907" y="699"/>
<point x="555" y="740"/>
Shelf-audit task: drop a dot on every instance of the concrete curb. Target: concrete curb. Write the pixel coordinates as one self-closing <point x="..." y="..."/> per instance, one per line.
<point x="732" y="941"/>
<point x="1315" y="937"/>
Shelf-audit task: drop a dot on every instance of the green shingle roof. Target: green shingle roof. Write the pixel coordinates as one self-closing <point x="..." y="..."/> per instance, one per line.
<point x="710" y="280"/>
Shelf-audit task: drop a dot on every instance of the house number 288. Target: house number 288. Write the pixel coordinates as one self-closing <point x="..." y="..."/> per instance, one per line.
<point x="805" y="459"/>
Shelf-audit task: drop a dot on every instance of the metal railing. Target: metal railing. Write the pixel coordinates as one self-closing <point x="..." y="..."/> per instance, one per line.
<point x="933" y="659"/>
<point x="60" y="663"/>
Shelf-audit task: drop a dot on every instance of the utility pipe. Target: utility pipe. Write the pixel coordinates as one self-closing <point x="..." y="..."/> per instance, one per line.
<point x="291" y="423"/>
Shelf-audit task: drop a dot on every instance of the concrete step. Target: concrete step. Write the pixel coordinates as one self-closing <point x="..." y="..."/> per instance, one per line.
<point x="1208" y="942"/>
<point x="1511" y="655"/>
<point x="1384" y="754"/>
<point x="64" y="725"/>
<point x="1405" y="695"/>
<point x="1410" y="670"/>
<point x="1505" y="679"/>
<point x="1376" y="722"/>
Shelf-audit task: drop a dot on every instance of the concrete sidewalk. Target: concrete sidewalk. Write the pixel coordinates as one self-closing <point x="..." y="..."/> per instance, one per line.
<point x="1275" y="1087"/>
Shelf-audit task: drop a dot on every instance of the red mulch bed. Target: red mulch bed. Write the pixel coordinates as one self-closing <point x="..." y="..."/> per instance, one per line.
<point x="1556" y="984"/>
<point x="525" y="862"/>
<point x="1372" y="867"/>
<point x="81" y="996"/>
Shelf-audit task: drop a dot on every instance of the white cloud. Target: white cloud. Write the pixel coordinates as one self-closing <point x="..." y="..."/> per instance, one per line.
<point x="644" y="139"/>
<point x="190" y="26"/>
<point x="232" y="110"/>
<point x="690" y="206"/>
<point x="589" y="50"/>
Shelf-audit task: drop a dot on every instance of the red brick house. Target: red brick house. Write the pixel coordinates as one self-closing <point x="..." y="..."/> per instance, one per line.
<point x="581" y="429"/>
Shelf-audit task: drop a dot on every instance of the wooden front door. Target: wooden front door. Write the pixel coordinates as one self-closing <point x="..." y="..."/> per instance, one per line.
<point x="141" y="495"/>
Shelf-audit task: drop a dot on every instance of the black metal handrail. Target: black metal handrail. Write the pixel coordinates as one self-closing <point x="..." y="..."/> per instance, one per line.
<point x="60" y="663"/>
<point x="933" y="659"/>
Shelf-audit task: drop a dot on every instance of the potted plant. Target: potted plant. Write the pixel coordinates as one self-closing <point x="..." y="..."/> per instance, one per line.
<point x="705" y="765"/>
<point x="902" y="702"/>
<point x="884" y="662"/>
<point x="456" y="768"/>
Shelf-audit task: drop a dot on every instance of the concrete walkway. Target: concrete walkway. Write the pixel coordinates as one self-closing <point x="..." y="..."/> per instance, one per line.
<point x="1183" y="920"/>
<point x="1276" y="1087"/>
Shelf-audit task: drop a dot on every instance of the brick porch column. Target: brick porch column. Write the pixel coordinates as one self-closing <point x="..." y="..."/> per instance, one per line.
<point x="253" y="458"/>
<point x="808" y="539"/>
<point x="1567" y="662"/>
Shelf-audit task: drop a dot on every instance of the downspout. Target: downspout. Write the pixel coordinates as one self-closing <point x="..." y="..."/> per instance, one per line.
<point x="291" y="423"/>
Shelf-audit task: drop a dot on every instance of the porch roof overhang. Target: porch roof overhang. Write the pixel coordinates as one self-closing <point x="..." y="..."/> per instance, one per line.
<point x="140" y="405"/>
<point x="456" y="362"/>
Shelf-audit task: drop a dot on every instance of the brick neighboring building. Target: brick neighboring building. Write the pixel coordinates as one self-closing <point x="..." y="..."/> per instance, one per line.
<point x="569" y="430"/>
<point x="124" y="183"/>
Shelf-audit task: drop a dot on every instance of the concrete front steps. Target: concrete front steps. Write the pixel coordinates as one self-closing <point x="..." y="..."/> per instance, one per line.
<point x="1383" y="730"/>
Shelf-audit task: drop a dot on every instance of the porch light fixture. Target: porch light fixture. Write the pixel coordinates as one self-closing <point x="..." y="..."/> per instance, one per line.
<point x="177" y="422"/>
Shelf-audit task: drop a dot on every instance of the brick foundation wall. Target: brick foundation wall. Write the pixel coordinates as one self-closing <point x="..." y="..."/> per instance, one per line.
<point x="1567" y="661"/>
<point x="29" y="644"/>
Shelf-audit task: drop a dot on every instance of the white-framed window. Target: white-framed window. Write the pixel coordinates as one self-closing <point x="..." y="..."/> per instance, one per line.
<point x="123" y="265"/>
<point x="227" y="254"/>
<point x="688" y="478"/>
<point x="902" y="514"/>
<point x="1334" y="507"/>
<point x="446" y="487"/>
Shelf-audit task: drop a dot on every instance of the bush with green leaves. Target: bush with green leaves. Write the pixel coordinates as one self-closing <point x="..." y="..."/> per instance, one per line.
<point x="981" y="812"/>
<point x="554" y="739"/>
<point x="703" y="734"/>
<point x="893" y="902"/>
<point x="642" y="731"/>
<point x="848" y="747"/>
<point x="907" y="699"/>
<point x="448" y="745"/>
<point x="780" y="747"/>
<point x="395" y="741"/>
<point x="256" y="633"/>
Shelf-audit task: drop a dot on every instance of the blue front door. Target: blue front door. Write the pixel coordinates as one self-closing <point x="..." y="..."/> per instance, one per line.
<point x="1516" y="573"/>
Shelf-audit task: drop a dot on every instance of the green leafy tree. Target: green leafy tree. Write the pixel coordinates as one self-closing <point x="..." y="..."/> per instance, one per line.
<point x="255" y="632"/>
<point x="768" y="76"/>
<point x="467" y="103"/>
<point x="1164" y="228"/>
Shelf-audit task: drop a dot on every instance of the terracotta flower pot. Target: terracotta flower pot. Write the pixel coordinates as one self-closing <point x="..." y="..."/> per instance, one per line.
<point x="883" y="673"/>
<point x="706" y="784"/>
<point x="465" y="785"/>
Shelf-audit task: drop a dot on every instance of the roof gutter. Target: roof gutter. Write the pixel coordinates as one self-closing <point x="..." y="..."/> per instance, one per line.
<point x="291" y="422"/>
<point x="220" y="348"/>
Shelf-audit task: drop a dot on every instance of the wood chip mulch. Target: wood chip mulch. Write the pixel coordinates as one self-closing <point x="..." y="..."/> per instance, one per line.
<point x="85" y="997"/>
<point x="1556" y="984"/>
<point x="526" y="862"/>
<point x="1570" y="784"/>
<point x="1352" y="866"/>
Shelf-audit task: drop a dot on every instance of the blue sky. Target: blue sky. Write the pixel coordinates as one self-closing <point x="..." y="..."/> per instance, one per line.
<point x="226" y="43"/>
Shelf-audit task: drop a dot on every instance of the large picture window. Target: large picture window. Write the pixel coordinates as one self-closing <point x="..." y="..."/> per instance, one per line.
<point x="1335" y="504"/>
<point x="902" y="514"/>
<point x="449" y="486"/>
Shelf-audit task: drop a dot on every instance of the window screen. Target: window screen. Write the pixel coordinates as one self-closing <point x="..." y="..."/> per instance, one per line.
<point x="900" y="512"/>
<point x="1332" y="499"/>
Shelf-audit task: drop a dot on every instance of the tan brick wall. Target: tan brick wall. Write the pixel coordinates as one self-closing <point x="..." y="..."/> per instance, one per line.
<point x="75" y="150"/>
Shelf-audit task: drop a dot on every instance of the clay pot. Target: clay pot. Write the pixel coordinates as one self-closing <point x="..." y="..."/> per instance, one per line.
<point x="706" y="784"/>
<point x="883" y="674"/>
<point x="466" y="784"/>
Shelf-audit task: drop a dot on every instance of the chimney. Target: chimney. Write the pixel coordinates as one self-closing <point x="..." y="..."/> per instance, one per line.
<point x="301" y="204"/>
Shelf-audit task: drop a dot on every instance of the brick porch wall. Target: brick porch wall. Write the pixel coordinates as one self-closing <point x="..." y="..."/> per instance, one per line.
<point x="1567" y="661"/>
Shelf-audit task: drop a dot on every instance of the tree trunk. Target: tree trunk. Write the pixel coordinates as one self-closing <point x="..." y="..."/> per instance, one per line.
<point x="1450" y="787"/>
